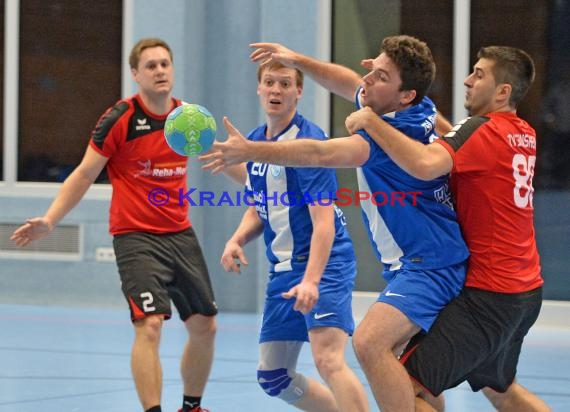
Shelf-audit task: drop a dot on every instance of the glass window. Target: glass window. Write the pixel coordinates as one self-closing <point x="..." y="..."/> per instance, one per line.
<point x="70" y="72"/>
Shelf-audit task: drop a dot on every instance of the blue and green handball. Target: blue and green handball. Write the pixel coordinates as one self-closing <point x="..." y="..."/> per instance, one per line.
<point x="190" y="130"/>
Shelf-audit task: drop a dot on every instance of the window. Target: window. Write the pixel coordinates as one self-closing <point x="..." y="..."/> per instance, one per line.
<point x="359" y="26"/>
<point x="70" y="72"/>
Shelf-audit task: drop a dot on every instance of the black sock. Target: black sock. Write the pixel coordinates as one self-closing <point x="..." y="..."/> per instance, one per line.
<point x="190" y="402"/>
<point x="156" y="408"/>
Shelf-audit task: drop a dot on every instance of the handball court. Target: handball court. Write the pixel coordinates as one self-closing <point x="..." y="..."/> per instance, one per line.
<point x="65" y="359"/>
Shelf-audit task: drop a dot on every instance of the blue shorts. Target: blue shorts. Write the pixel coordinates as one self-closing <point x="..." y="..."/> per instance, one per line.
<point x="422" y="294"/>
<point x="333" y="309"/>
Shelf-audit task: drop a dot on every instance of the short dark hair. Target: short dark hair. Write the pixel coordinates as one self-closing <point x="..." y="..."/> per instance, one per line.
<point x="275" y="65"/>
<point x="135" y="56"/>
<point x="512" y="66"/>
<point x="414" y="61"/>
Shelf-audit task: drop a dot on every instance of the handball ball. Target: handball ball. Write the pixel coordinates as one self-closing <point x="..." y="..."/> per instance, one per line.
<point x="190" y="130"/>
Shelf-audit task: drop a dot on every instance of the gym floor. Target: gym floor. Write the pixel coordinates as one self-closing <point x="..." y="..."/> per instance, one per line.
<point x="63" y="359"/>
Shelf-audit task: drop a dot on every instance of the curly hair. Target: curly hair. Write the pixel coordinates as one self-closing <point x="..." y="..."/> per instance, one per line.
<point x="414" y="61"/>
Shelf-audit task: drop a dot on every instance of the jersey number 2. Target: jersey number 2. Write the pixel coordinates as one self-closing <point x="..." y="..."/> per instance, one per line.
<point x="147" y="302"/>
<point x="523" y="171"/>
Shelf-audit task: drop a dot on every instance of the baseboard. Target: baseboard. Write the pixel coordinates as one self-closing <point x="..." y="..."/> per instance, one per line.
<point x="554" y="313"/>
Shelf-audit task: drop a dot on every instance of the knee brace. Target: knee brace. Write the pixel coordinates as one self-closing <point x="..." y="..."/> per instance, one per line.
<point x="278" y="383"/>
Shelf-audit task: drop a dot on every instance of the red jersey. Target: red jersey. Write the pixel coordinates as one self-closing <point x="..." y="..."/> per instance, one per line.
<point x="494" y="159"/>
<point x="140" y="166"/>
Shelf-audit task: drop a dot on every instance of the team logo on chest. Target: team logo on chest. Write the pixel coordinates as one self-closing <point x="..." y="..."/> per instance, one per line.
<point x="276" y="171"/>
<point x="146" y="168"/>
<point x="260" y="169"/>
<point x="443" y="196"/>
<point x="160" y="170"/>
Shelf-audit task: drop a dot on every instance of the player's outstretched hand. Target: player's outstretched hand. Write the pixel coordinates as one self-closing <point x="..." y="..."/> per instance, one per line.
<point x="266" y="52"/>
<point x="224" y="154"/>
<point x="306" y="294"/>
<point x="33" y="229"/>
<point x="233" y="257"/>
<point x="359" y="119"/>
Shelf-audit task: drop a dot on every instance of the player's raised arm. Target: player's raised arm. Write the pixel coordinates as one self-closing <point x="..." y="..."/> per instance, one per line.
<point x="338" y="79"/>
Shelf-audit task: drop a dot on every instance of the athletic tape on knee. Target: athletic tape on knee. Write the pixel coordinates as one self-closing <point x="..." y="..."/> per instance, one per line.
<point x="279" y="384"/>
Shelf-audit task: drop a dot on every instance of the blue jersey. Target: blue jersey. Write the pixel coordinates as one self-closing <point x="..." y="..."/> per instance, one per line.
<point x="411" y="222"/>
<point x="282" y="196"/>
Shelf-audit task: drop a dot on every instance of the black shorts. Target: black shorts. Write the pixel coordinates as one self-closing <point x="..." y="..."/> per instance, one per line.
<point x="477" y="337"/>
<point x="157" y="268"/>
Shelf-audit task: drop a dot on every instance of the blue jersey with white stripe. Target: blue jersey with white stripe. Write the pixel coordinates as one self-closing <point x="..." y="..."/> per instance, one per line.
<point x="411" y="222"/>
<point x="282" y="197"/>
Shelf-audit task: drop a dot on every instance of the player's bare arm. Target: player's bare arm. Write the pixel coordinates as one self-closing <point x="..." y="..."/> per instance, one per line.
<point x="442" y="125"/>
<point x="307" y="292"/>
<point x="351" y="151"/>
<point x="338" y="79"/>
<point x="237" y="173"/>
<point x="424" y="162"/>
<point x="249" y="228"/>
<point x="71" y="192"/>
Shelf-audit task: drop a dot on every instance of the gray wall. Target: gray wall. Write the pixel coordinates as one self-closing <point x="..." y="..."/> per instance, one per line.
<point x="84" y="283"/>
